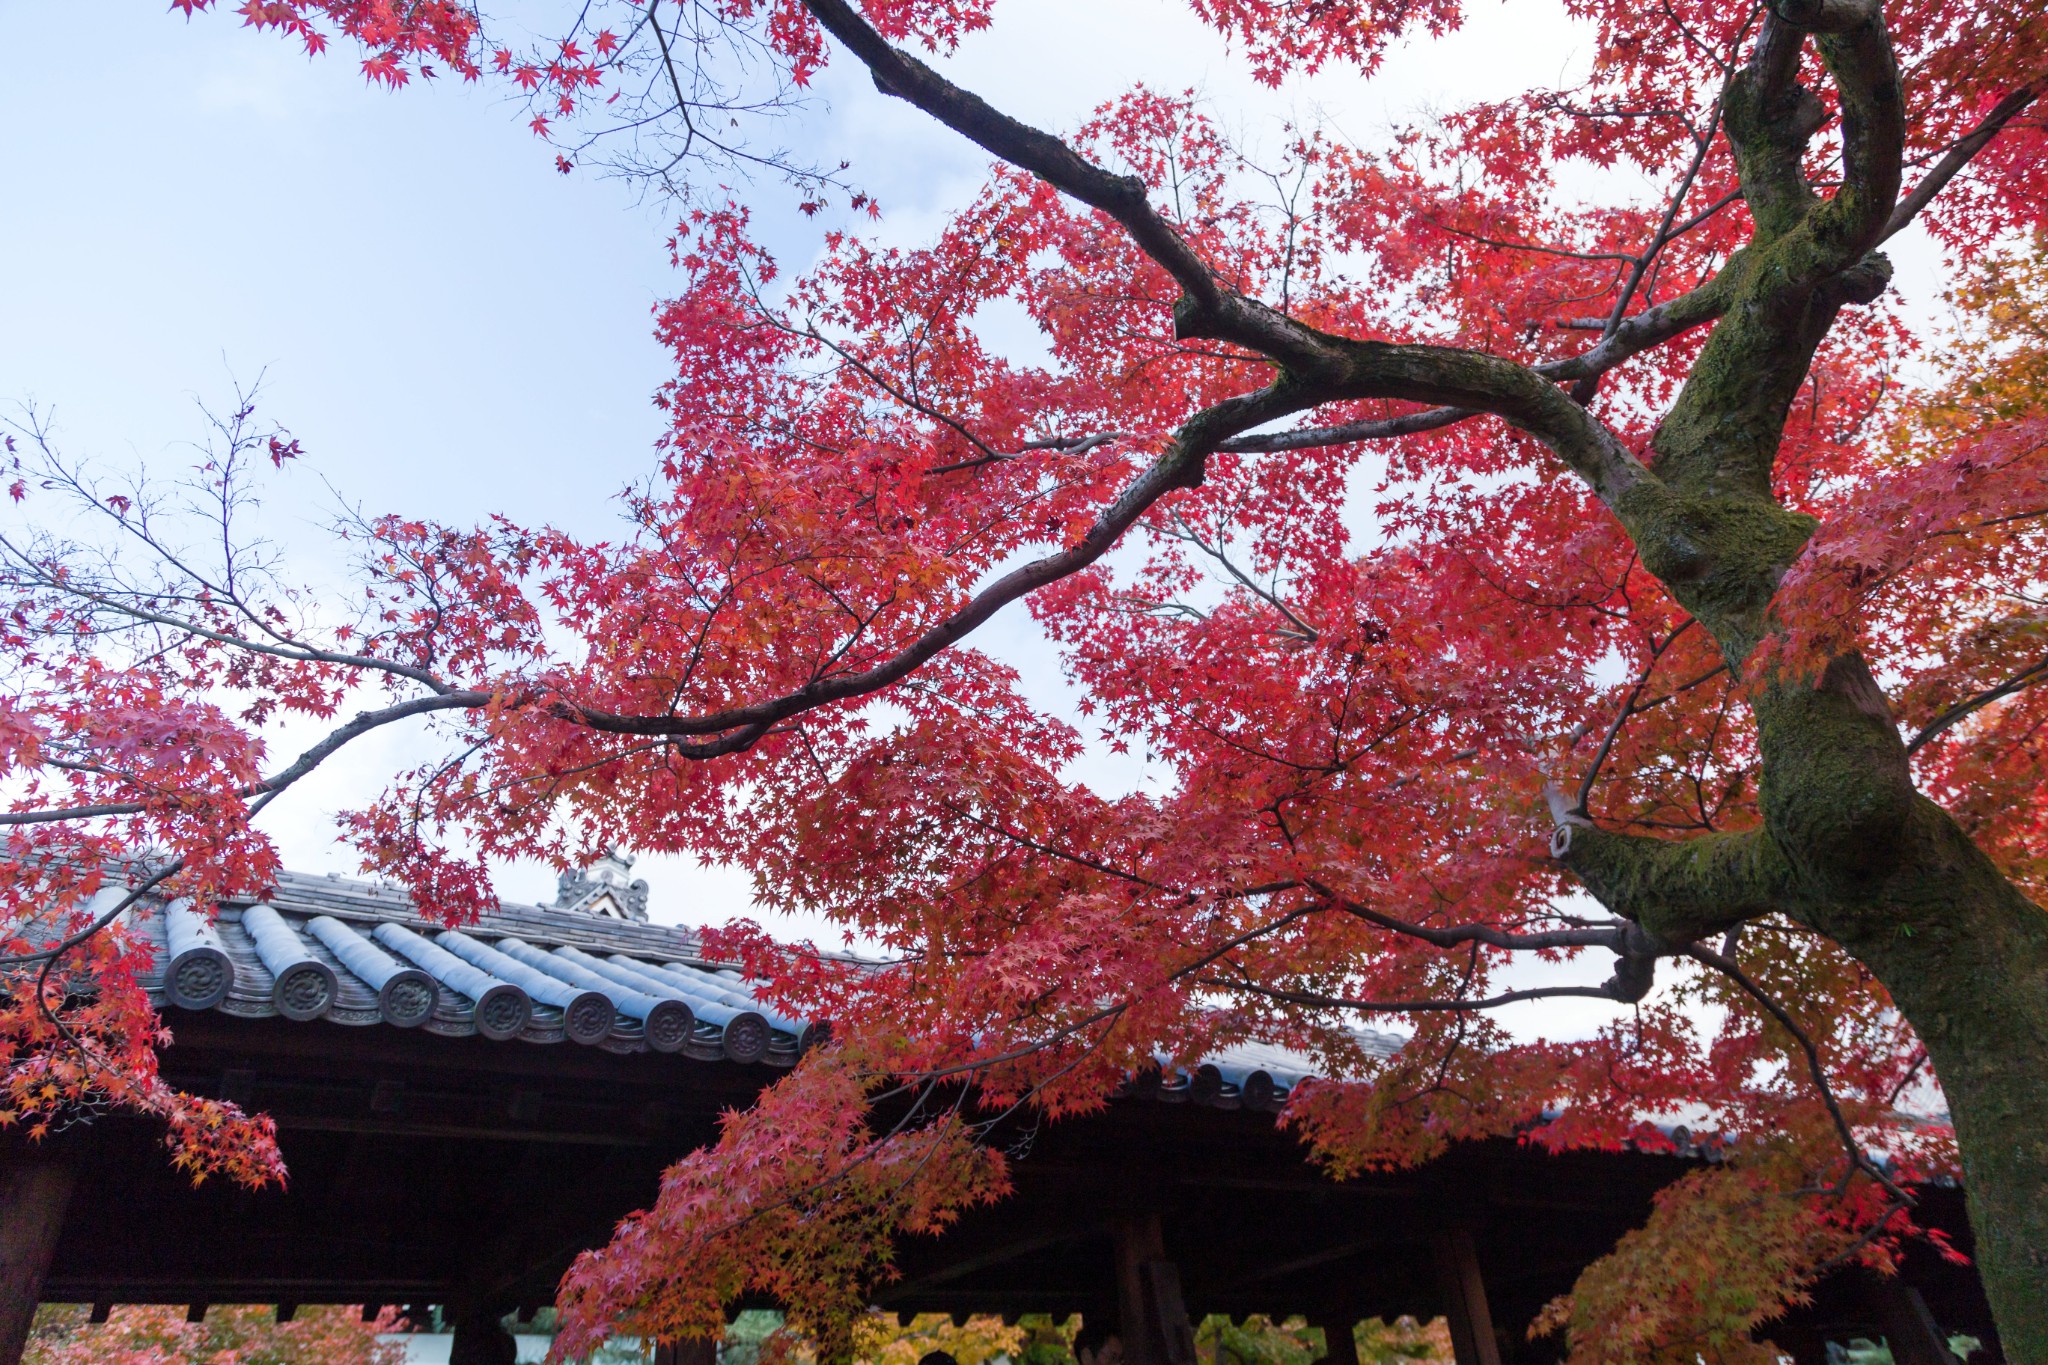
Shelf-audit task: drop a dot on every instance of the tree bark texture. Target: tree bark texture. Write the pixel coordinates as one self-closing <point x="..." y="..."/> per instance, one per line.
<point x="1965" y="956"/>
<point x="1847" y="846"/>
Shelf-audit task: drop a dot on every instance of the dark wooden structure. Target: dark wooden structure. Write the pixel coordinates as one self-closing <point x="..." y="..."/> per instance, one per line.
<point x="443" y="1167"/>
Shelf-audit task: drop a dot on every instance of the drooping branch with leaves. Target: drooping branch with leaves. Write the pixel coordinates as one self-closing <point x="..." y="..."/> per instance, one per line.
<point x="1493" y="569"/>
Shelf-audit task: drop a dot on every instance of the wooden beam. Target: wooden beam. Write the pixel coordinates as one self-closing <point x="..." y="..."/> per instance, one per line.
<point x="1036" y="1239"/>
<point x="1309" y="1262"/>
<point x="1909" y="1329"/>
<point x="237" y="1287"/>
<point x="482" y="1132"/>
<point x="33" y="1198"/>
<point x="1152" y="1315"/>
<point x="1464" y="1298"/>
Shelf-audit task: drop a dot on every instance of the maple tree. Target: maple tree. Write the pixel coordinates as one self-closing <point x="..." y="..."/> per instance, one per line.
<point x="1498" y="569"/>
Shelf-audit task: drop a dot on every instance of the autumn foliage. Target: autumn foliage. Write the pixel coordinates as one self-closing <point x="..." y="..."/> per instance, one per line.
<point x="234" y="1334"/>
<point x="1493" y="561"/>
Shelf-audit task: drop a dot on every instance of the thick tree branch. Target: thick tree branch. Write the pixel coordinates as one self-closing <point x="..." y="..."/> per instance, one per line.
<point x="1873" y="102"/>
<point x="1121" y="197"/>
<point x="1317" y="367"/>
<point x="1649" y="328"/>
<point x="1825" y="16"/>
<point x="1678" y="890"/>
<point x="1709" y="526"/>
<point x="1313" y="1000"/>
<point x="1624" y="339"/>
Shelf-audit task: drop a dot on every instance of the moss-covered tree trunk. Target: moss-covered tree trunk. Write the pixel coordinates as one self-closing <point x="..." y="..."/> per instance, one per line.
<point x="1847" y="846"/>
<point x="1966" y="958"/>
<point x="1851" y="850"/>
<point x="1891" y="877"/>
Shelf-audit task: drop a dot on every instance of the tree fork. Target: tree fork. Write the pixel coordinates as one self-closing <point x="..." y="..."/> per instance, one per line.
<point x="1850" y="849"/>
<point x="1963" y="955"/>
<point x="1848" y="846"/>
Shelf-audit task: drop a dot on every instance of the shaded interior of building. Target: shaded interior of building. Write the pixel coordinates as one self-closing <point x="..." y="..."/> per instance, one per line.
<point x="467" y="1173"/>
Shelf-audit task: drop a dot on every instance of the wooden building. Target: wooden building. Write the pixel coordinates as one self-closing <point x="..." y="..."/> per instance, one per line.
<point x="463" y="1112"/>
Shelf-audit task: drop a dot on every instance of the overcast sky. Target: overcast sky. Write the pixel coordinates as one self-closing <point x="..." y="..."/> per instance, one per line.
<point x="451" y="327"/>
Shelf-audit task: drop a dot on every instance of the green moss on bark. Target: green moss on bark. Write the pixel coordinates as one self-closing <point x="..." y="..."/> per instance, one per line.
<point x="1965" y="957"/>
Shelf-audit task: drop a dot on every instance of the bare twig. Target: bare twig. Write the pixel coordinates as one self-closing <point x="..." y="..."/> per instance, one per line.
<point x="1858" y="1158"/>
<point x="1963" y="710"/>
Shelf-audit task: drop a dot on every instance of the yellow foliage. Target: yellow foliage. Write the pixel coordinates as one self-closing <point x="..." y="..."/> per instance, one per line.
<point x="878" y="1340"/>
<point x="1996" y="360"/>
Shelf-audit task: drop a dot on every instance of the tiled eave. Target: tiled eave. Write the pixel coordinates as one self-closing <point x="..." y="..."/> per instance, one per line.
<point x="329" y="950"/>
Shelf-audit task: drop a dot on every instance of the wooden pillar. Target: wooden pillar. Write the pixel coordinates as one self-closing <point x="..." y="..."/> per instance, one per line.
<point x="1464" y="1296"/>
<point x="688" y="1351"/>
<point x="1098" y="1325"/>
<point x="1152" y="1316"/>
<point x="1137" y="1241"/>
<point x="33" y="1197"/>
<point x="1909" y="1329"/>
<point x="480" y="1339"/>
<point x="1340" y="1345"/>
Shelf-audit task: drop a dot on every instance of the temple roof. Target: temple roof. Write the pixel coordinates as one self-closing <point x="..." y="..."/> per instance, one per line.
<point x="603" y="889"/>
<point x="360" y="953"/>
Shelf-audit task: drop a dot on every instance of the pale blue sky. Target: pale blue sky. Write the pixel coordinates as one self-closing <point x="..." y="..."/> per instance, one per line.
<point x="448" y="324"/>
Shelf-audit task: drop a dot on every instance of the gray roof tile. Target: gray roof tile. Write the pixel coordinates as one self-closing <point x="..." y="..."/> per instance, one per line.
<point x="359" y="953"/>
